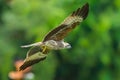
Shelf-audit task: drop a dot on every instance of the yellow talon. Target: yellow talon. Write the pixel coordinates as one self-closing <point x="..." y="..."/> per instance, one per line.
<point x="44" y="48"/>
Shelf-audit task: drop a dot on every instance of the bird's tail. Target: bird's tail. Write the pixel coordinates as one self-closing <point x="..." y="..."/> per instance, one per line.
<point x="30" y="45"/>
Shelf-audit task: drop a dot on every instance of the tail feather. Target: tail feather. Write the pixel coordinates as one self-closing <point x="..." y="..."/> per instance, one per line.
<point x="30" y="45"/>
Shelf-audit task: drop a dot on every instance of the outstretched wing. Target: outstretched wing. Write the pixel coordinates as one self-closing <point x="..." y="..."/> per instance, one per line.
<point x="68" y="24"/>
<point x="34" y="55"/>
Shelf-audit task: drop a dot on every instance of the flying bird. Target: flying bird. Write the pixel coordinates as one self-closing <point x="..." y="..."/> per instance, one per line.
<point x="54" y="40"/>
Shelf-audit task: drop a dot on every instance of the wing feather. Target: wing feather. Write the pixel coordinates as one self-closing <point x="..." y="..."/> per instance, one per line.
<point x="68" y="24"/>
<point x="34" y="55"/>
<point x="30" y="63"/>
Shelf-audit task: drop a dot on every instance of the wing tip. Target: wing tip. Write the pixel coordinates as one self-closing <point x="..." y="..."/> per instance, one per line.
<point x="82" y="12"/>
<point x="85" y="10"/>
<point x="27" y="64"/>
<point x="21" y="68"/>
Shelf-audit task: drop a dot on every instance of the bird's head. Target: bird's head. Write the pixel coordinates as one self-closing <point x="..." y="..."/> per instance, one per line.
<point x="67" y="45"/>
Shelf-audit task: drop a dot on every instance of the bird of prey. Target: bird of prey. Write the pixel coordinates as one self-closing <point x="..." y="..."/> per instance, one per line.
<point x="54" y="40"/>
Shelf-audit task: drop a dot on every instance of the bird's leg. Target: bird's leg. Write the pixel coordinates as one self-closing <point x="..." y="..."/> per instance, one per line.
<point x="44" y="48"/>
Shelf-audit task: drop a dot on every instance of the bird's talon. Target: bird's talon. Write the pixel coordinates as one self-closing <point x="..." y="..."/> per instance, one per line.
<point x="44" y="48"/>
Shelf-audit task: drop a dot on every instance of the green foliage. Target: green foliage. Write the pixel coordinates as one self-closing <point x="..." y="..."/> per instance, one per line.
<point x="95" y="52"/>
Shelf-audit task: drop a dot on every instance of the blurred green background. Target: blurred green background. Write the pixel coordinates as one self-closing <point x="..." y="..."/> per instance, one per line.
<point x="95" y="52"/>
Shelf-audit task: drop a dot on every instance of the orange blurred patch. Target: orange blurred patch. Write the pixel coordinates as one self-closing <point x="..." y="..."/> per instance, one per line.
<point x="16" y="75"/>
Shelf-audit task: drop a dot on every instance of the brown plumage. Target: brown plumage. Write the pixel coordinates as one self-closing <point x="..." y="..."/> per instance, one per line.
<point x="68" y="24"/>
<point x="54" y="39"/>
<point x="34" y="55"/>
